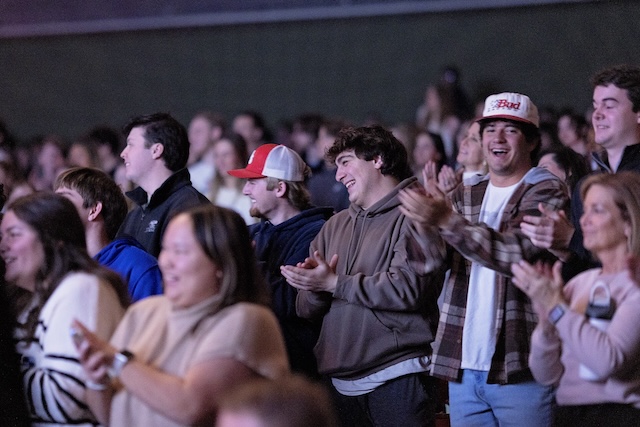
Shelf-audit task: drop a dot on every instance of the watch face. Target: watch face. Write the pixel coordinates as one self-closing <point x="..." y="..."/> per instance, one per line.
<point x="556" y="313"/>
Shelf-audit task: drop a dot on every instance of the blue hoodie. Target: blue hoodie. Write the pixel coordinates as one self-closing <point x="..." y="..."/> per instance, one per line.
<point x="138" y="269"/>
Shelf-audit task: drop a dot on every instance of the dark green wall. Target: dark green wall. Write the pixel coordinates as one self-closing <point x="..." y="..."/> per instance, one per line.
<point x="344" y="67"/>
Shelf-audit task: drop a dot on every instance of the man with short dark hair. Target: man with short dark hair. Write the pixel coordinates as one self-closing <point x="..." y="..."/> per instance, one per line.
<point x="616" y="125"/>
<point x="102" y="208"/>
<point x="155" y="158"/>
<point x="378" y="313"/>
<point x="275" y="185"/>
<point x="483" y="341"/>
<point x="616" y="117"/>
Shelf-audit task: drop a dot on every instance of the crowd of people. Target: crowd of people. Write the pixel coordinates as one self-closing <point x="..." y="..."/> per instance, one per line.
<point x="478" y="267"/>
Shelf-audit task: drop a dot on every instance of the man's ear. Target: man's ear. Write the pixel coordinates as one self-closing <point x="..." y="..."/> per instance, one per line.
<point x="281" y="188"/>
<point x="377" y="162"/>
<point x="95" y="211"/>
<point x="156" y="150"/>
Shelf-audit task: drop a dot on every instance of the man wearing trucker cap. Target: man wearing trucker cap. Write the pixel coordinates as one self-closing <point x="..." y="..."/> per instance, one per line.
<point x="483" y="340"/>
<point x="275" y="184"/>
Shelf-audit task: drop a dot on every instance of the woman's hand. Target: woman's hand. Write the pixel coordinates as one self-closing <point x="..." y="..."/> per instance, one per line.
<point x="95" y="354"/>
<point x="448" y="179"/>
<point x="540" y="283"/>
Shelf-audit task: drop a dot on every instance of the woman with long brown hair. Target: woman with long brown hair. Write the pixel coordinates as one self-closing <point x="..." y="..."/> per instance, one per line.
<point x="52" y="280"/>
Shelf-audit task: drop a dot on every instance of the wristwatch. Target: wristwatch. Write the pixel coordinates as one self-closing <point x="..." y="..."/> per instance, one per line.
<point x="120" y="359"/>
<point x="557" y="312"/>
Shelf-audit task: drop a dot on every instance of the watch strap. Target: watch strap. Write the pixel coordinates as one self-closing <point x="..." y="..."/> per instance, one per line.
<point x="120" y="360"/>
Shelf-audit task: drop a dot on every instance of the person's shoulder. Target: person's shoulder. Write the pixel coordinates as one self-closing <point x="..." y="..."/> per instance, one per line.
<point x="255" y="228"/>
<point x="138" y="196"/>
<point x="79" y="287"/>
<point x="247" y="313"/>
<point x="542" y="176"/>
<point x="77" y="281"/>
<point x="310" y="217"/>
<point x="183" y="199"/>
<point x="338" y="220"/>
<point x="151" y="307"/>
<point x="343" y="215"/>
<point x="134" y="254"/>
<point x="320" y="212"/>
<point x="633" y="148"/>
<point x="584" y="278"/>
<point x="189" y="192"/>
<point x="473" y="180"/>
<point x="146" y="313"/>
<point x="113" y="248"/>
<point x="585" y="275"/>
<point x="179" y="185"/>
<point x="541" y="186"/>
<point x="234" y="321"/>
<point x="477" y="183"/>
<point x="150" y="304"/>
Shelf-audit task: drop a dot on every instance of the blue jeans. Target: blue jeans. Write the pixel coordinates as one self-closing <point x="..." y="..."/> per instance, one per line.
<point x="473" y="402"/>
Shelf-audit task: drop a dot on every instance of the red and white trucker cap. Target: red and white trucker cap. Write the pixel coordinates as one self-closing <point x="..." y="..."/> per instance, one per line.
<point x="272" y="160"/>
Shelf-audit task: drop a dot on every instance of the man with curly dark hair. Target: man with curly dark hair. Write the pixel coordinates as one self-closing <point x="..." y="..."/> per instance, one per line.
<point x="378" y="313"/>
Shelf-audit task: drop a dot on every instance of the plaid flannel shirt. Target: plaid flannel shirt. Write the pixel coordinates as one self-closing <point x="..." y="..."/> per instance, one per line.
<point x="471" y="241"/>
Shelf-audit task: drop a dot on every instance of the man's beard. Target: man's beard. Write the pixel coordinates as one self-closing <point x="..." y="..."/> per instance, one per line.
<point x="255" y="212"/>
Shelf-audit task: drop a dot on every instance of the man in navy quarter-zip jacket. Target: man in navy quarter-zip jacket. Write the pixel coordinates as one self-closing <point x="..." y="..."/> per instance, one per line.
<point x="155" y="159"/>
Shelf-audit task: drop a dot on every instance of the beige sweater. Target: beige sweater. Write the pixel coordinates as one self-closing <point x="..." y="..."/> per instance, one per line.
<point x="175" y="340"/>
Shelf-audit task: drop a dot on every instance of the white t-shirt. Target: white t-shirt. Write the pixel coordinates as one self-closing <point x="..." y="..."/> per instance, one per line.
<point x="479" y="332"/>
<point x="371" y="382"/>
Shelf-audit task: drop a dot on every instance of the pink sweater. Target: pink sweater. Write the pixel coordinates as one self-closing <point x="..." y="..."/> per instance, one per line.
<point x="613" y="355"/>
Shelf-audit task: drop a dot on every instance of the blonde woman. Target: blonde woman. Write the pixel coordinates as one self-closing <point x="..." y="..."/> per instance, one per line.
<point x="587" y="340"/>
